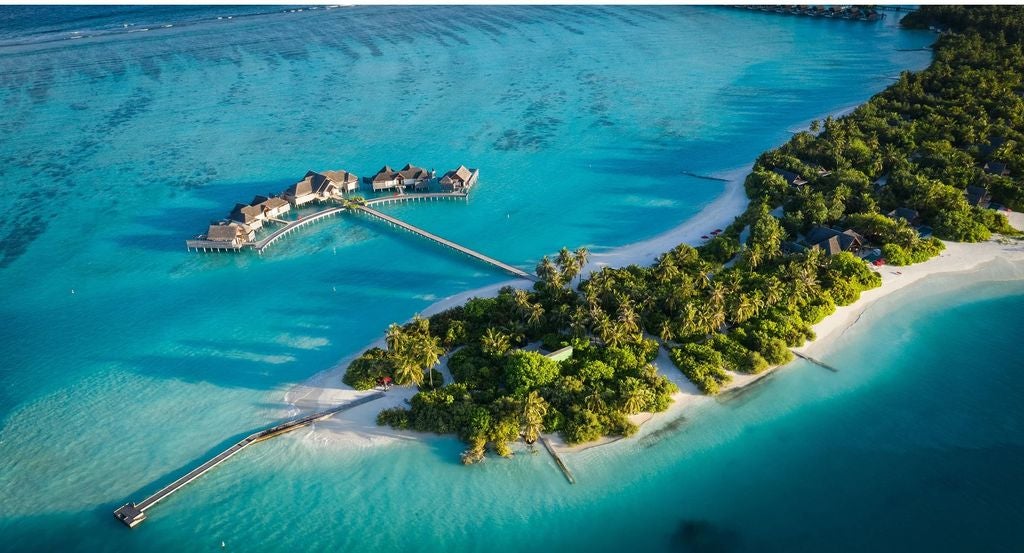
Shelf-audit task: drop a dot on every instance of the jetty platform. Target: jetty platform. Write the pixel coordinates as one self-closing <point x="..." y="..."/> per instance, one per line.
<point x="132" y="514"/>
<point x="447" y="243"/>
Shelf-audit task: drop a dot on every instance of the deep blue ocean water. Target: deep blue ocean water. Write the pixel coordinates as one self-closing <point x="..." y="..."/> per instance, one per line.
<point x="126" y="358"/>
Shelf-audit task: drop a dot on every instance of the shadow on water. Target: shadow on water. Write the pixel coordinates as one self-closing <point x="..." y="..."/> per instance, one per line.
<point x="701" y="536"/>
<point x="670" y="428"/>
<point x="232" y="364"/>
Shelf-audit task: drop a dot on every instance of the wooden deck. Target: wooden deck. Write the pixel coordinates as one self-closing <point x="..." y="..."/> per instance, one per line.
<point x="447" y="243"/>
<point x="291" y="226"/>
<point x="132" y="514"/>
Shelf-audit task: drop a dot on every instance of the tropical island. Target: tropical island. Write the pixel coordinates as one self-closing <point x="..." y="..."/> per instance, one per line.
<point x="934" y="157"/>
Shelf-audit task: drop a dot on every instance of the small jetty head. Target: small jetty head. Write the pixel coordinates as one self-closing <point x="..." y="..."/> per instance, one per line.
<point x="130" y="515"/>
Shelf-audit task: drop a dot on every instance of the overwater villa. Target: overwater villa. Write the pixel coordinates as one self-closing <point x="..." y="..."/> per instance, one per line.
<point x="232" y="234"/>
<point x="271" y="206"/>
<point x="315" y="187"/>
<point x="249" y="215"/>
<point x="409" y="176"/>
<point x="345" y="181"/>
<point x="459" y="180"/>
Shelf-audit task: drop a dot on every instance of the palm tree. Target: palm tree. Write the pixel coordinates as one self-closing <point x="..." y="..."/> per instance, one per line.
<point x="534" y="410"/>
<point x="582" y="255"/>
<point x="412" y="350"/>
<point x="744" y="309"/>
<point x="633" y="402"/>
<point x="535" y="314"/>
<point x="595" y="401"/>
<point x="578" y="322"/>
<point x="567" y="262"/>
<point x="665" y="331"/>
<point x="494" y="342"/>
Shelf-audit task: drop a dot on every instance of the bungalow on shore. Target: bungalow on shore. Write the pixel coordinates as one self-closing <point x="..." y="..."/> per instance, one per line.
<point x="231" y="233"/>
<point x="834" y="241"/>
<point x="977" y="195"/>
<point x="791" y="178"/>
<point x="997" y="168"/>
<point x="313" y="187"/>
<point x="249" y="215"/>
<point x="409" y="176"/>
<point x="911" y="215"/>
<point x="461" y="179"/>
<point x="271" y="206"/>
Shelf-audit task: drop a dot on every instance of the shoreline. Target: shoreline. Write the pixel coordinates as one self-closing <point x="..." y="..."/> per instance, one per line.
<point x="359" y="428"/>
<point x="957" y="258"/>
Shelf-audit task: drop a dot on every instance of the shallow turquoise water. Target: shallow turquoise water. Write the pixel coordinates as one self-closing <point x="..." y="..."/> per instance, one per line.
<point x="116" y="148"/>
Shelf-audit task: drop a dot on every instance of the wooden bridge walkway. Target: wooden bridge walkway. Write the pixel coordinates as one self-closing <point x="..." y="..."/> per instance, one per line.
<point x="290" y="226"/>
<point x="447" y="243"/>
<point x="132" y="514"/>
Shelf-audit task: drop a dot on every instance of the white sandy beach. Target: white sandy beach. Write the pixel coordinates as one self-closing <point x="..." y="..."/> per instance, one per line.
<point x="358" y="428"/>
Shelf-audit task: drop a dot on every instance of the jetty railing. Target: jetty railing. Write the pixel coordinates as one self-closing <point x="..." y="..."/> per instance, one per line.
<point x="132" y="514"/>
<point x="447" y="243"/>
<point x="290" y="226"/>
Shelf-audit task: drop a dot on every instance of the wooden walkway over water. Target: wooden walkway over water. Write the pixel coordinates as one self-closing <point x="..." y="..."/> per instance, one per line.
<point x="447" y="243"/>
<point x="132" y="514"/>
<point x="291" y="226"/>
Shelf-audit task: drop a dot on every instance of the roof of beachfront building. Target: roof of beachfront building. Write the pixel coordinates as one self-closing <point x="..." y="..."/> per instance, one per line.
<point x="844" y="240"/>
<point x="996" y="168"/>
<point x="910" y="215"/>
<point x="791" y="178"/>
<point x="977" y="195"/>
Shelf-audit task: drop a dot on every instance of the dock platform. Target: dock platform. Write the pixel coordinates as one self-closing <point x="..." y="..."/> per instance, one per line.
<point x="132" y="514"/>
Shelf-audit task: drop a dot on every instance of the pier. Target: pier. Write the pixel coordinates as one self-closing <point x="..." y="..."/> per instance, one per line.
<point x="290" y="226"/>
<point x="558" y="460"/>
<point x="447" y="243"/>
<point x="261" y="245"/>
<point x="810" y="359"/>
<point x="132" y="514"/>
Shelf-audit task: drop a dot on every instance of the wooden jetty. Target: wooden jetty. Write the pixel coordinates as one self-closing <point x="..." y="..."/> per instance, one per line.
<point x="447" y="243"/>
<point x="132" y="514"/>
<point x="558" y="460"/>
<point x="261" y="245"/>
<point x="815" y="361"/>
<point x="291" y="226"/>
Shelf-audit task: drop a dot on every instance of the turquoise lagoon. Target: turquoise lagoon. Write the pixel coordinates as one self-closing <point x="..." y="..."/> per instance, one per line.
<point x="127" y="359"/>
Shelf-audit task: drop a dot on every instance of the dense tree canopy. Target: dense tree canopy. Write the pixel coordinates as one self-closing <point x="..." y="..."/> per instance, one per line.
<point x="936" y="144"/>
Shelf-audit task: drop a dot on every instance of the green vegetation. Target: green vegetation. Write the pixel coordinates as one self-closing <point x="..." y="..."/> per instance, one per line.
<point x="740" y="301"/>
